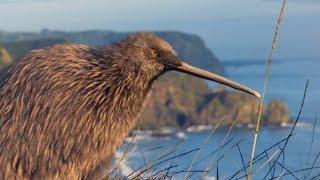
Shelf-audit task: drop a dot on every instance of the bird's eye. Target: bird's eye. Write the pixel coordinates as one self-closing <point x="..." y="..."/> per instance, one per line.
<point x="153" y="53"/>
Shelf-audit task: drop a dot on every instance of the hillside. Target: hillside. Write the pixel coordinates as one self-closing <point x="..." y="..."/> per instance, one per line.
<point x="189" y="46"/>
<point x="21" y="47"/>
<point x="181" y="100"/>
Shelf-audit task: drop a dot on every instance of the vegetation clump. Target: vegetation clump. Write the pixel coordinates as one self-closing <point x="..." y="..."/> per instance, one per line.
<point x="5" y="57"/>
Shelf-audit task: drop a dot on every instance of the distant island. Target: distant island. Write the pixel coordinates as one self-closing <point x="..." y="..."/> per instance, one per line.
<point x="179" y="101"/>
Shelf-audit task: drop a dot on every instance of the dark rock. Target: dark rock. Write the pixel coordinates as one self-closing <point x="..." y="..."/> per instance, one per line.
<point x="276" y="113"/>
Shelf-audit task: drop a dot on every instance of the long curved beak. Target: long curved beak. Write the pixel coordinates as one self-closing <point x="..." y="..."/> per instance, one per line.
<point x="186" y="68"/>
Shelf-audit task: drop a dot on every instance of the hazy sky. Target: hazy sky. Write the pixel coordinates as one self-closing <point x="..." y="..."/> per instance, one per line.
<point x="231" y="28"/>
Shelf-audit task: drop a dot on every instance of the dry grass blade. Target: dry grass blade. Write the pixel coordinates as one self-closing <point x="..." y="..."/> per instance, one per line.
<point x="273" y="155"/>
<point x="143" y="156"/>
<point x="220" y="158"/>
<point x="268" y="160"/>
<point x="270" y="164"/>
<point x="292" y="129"/>
<point x="202" y="146"/>
<point x="258" y="158"/>
<point x="289" y="172"/>
<point x="315" y="177"/>
<point x="268" y="69"/>
<point x="223" y="141"/>
<point x="314" y="162"/>
<point x="297" y="171"/>
<point x="242" y="160"/>
<point x="120" y="162"/>
<point x="170" y="158"/>
<point x="213" y="152"/>
<point x="312" y="139"/>
<point x="164" y="154"/>
<point x="208" y="156"/>
<point x="165" y="169"/>
<point x="281" y="175"/>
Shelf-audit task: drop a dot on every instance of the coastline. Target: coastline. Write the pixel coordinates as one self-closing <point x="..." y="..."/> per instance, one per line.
<point x="167" y="132"/>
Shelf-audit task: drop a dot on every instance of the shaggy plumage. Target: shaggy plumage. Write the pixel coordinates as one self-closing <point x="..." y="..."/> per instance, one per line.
<point x="66" y="108"/>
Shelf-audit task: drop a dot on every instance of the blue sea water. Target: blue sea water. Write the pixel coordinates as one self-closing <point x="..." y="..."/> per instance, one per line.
<point x="287" y="81"/>
<point x="228" y="157"/>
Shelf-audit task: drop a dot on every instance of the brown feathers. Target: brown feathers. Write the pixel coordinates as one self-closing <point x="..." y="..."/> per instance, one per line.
<point x="65" y="109"/>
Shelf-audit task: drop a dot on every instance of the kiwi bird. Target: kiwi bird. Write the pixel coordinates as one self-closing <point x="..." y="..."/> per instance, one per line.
<point x="65" y="109"/>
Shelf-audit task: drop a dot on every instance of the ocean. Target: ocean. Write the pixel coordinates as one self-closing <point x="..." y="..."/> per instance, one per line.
<point x="173" y="155"/>
<point x="220" y="157"/>
<point x="287" y="81"/>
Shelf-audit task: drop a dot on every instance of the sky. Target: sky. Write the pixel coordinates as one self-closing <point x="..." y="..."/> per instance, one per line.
<point x="232" y="29"/>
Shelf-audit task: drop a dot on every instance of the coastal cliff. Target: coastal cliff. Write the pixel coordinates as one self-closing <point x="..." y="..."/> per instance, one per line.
<point x="180" y="101"/>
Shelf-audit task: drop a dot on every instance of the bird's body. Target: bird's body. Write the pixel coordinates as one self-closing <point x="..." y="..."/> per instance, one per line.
<point x="62" y="114"/>
<point x="65" y="109"/>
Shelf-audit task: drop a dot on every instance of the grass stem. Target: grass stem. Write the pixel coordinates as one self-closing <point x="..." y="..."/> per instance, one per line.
<point x="268" y="70"/>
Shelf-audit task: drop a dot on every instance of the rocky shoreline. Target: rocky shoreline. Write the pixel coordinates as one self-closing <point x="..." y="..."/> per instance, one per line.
<point x="181" y="101"/>
<point x="169" y="132"/>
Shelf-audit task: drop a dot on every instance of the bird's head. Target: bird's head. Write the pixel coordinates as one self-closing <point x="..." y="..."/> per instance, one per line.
<point x="155" y="56"/>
